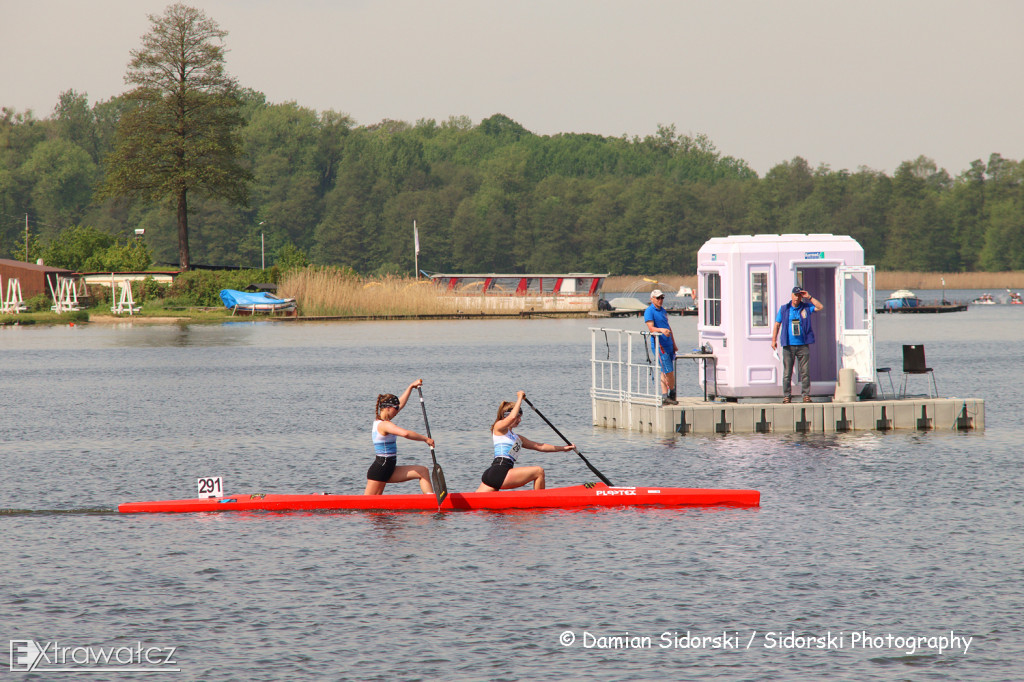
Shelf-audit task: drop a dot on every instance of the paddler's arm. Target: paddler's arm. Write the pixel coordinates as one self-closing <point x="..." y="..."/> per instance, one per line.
<point x="404" y="398"/>
<point x="395" y="430"/>
<point x="503" y="425"/>
<point x="545" y="447"/>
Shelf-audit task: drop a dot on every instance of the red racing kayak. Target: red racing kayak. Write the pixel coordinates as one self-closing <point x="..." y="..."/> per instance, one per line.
<point x="590" y="495"/>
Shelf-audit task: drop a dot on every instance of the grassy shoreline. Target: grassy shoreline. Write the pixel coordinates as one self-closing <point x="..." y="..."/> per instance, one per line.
<point x="325" y="297"/>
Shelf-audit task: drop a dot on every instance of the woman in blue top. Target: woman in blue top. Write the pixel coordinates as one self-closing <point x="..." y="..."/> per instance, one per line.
<point x="384" y="469"/>
<point x="507" y="446"/>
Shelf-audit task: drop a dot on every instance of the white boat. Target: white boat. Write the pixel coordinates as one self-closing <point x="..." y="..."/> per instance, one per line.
<point x="902" y="298"/>
<point x="984" y="299"/>
<point x="627" y="303"/>
<point x="245" y="302"/>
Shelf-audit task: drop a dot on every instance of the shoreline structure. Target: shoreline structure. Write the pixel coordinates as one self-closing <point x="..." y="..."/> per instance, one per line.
<point x="371" y="302"/>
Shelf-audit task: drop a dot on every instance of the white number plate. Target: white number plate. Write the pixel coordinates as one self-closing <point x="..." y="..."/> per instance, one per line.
<point x="211" y="486"/>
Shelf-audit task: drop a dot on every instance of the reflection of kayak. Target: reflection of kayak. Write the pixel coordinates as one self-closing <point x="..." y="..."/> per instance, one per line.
<point x="591" y="495"/>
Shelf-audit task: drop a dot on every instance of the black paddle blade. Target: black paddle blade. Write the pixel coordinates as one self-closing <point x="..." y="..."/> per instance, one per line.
<point x="440" y="487"/>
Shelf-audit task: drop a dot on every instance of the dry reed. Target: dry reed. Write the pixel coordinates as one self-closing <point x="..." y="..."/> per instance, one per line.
<point x="330" y="292"/>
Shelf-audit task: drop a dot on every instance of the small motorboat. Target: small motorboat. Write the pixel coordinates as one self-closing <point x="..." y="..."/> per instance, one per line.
<point x="902" y="298"/>
<point x="1015" y="298"/>
<point x="628" y="303"/>
<point x="984" y="299"/>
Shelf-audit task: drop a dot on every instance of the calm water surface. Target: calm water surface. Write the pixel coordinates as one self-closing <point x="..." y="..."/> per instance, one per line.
<point x="903" y="534"/>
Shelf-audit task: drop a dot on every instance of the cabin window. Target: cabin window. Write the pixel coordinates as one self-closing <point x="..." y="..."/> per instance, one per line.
<point x="856" y="314"/>
<point x="504" y="285"/>
<point x="759" y="299"/>
<point x="471" y="285"/>
<point x="712" y="300"/>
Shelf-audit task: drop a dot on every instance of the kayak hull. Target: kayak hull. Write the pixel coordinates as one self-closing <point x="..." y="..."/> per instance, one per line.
<point x="595" y="495"/>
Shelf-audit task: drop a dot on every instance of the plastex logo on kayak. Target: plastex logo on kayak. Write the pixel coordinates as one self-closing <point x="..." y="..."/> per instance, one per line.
<point x="28" y="655"/>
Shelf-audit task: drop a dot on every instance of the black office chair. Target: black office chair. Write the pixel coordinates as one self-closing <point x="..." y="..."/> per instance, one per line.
<point x="914" y="363"/>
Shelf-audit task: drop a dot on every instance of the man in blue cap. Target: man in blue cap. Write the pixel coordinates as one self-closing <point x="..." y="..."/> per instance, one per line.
<point x="797" y="334"/>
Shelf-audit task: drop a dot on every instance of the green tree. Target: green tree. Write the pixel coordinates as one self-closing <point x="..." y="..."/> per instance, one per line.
<point x="76" y="122"/>
<point x="291" y="257"/>
<point x="62" y="175"/>
<point x="180" y="134"/>
<point x="74" y="246"/>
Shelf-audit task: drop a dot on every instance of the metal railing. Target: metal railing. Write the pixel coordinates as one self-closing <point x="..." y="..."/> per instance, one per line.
<point x="629" y="370"/>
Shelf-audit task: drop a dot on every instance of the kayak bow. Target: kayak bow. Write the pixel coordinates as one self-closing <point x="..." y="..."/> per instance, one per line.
<point x="590" y="495"/>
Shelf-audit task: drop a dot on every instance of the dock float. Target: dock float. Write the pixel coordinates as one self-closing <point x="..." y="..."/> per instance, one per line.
<point x="696" y="416"/>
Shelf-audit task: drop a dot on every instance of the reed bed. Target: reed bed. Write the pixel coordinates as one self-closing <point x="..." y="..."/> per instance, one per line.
<point x="954" y="280"/>
<point x="645" y="283"/>
<point x="329" y="292"/>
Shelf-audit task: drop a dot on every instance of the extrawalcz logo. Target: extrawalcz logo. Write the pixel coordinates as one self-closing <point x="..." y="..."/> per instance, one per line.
<point x="28" y="655"/>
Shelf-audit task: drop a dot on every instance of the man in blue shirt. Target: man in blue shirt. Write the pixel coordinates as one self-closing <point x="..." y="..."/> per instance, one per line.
<point x="657" y="323"/>
<point x="797" y="334"/>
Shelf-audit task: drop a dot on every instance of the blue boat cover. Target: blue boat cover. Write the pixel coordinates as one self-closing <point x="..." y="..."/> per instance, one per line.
<point x="232" y="298"/>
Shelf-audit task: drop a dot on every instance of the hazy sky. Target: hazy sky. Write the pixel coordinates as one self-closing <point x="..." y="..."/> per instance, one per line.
<point x="846" y="83"/>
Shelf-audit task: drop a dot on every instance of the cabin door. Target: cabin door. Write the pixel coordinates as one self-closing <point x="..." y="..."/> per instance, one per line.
<point x="856" y="288"/>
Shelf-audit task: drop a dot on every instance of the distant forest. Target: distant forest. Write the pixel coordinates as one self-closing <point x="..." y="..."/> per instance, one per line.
<point x="494" y="197"/>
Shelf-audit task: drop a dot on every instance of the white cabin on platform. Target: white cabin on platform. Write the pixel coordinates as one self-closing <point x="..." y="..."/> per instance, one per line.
<point x="742" y="283"/>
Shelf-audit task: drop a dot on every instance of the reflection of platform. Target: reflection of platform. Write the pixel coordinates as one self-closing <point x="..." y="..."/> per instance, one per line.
<point x="695" y="416"/>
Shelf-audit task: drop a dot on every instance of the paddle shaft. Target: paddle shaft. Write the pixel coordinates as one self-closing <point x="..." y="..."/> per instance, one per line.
<point x="436" y="476"/>
<point x="568" y="442"/>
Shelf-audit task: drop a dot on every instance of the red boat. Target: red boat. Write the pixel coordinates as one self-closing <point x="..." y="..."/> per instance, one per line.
<point x="589" y="495"/>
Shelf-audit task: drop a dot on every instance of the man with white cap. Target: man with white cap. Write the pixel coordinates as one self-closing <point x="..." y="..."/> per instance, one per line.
<point x="657" y="322"/>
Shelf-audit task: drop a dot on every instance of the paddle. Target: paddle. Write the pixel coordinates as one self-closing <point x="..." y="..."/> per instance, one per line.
<point x="568" y="442"/>
<point x="436" y="475"/>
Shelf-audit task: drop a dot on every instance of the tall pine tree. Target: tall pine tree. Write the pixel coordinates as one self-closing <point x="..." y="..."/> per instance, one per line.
<point x="180" y="134"/>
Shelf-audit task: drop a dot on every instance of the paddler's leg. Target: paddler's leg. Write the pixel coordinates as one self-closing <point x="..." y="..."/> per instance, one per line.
<point x="379" y="474"/>
<point x="408" y="473"/>
<point x="520" y="476"/>
<point x="374" y="487"/>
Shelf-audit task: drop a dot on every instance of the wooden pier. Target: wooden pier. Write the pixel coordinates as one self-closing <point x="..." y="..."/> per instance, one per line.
<point x="697" y="416"/>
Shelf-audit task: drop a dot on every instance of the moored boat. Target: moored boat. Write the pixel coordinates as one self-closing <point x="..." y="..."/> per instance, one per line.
<point x="580" y="496"/>
<point x="574" y="291"/>
<point x="902" y="298"/>
<point x="258" y="302"/>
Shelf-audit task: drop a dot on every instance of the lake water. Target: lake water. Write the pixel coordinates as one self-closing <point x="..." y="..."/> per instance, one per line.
<point x="864" y="542"/>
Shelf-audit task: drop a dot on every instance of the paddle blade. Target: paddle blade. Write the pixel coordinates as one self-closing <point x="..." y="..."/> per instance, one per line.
<point x="437" y="481"/>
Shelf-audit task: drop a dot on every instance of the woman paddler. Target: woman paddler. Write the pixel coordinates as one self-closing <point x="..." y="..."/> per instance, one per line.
<point x="507" y="444"/>
<point x="385" y="433"/>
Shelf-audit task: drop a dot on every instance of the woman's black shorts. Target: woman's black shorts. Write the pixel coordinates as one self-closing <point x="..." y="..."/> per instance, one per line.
<point x="381" y="469"/>
<point x="495" y="474"/>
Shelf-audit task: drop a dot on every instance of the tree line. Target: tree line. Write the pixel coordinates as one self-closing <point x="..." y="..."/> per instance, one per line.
<point x="486" y="197"/>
